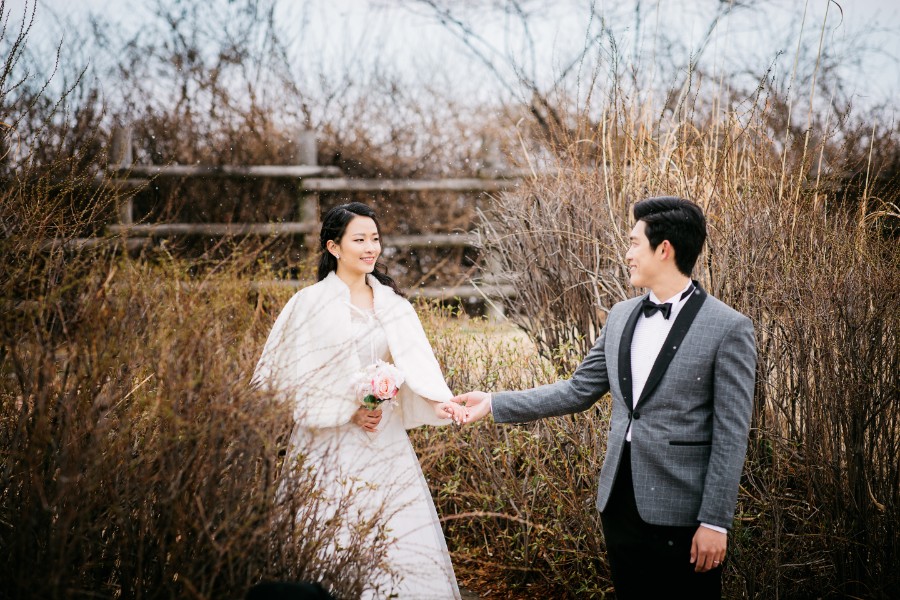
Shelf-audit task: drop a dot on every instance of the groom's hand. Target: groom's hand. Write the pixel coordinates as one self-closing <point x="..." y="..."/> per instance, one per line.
<point x="708" y="549"/>
<point x="477" y="403"/>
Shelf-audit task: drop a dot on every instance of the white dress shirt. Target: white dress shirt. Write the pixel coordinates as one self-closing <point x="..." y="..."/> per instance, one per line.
<point x="650" y="334"/>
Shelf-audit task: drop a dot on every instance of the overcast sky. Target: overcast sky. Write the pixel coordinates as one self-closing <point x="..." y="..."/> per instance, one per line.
<point x="406" y="34"/>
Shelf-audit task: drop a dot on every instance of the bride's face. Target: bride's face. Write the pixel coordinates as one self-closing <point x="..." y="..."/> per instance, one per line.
<point x="358" y="249"/>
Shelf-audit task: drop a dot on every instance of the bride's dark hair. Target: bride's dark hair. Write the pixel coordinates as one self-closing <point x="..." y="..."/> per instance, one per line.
<point x="334" y="224"/>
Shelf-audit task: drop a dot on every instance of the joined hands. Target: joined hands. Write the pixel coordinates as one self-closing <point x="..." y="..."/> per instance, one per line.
<point x="465" y="408"/>
<point x="477" y="405"/>
<point x="449" y="410"/>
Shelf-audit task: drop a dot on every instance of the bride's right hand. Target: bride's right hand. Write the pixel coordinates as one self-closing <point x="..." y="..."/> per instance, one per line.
<point x="367" y="419"/>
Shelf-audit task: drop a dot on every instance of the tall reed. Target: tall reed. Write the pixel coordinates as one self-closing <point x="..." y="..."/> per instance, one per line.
<point x="815" y="270"/>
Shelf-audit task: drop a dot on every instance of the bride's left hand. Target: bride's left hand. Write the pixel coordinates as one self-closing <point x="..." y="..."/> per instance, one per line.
<point x="450" y="410"/>
<point x="367" y="419"/>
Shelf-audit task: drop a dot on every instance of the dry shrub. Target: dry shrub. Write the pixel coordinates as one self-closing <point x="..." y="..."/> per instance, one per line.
<point x="137" y="461"/>
<point x="518" y="502"/>
<point x="819" y="508"/>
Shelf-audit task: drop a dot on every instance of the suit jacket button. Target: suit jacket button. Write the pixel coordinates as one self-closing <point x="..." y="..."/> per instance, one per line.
<point x="637" y="415"/>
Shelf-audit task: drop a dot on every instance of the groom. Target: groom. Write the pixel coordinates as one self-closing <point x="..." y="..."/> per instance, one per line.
<point x="680" y="366"/>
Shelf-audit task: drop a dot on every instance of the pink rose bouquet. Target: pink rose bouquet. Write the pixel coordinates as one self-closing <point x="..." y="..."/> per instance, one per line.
<point x="381" y="381"/>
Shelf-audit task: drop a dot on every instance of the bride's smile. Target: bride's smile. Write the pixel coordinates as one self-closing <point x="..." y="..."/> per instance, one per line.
<point x="358" y="249"/>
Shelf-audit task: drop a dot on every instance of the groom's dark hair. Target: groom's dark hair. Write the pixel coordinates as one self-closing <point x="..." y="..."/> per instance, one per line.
<point x="675" y="219"/>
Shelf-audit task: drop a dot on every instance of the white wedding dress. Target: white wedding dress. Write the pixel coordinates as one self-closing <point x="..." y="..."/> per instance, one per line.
<point x="388" y="479"/>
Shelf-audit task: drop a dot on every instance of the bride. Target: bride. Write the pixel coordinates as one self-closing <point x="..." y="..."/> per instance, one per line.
<point x="324" y="338"/>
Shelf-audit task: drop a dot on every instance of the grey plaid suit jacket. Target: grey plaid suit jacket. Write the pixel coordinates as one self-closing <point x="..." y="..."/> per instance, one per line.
<point x="689" y="432"/>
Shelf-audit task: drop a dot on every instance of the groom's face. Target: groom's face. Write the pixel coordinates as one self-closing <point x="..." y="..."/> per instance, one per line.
<point x="643" y="263"/>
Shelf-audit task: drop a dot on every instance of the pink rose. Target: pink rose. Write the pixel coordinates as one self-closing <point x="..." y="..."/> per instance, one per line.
<point x="379" y="382"/>
<point x="384" y="386"/>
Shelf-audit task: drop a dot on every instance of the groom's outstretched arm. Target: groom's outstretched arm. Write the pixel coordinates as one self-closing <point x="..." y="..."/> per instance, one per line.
<point x="588" y="384"/>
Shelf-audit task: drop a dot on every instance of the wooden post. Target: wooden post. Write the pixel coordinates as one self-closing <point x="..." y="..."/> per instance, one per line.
<point x="120" y="153"/>
<point x="491" y="159"/>
<point x="309" y="213"/>
<point x="121" y="157"/>
<point x="306" y="153"/>
<point x="492" y="279"/>
<point x="492" y="165"/>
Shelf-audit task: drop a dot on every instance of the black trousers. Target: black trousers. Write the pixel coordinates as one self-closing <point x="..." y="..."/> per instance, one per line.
<point x="650" y="561"/>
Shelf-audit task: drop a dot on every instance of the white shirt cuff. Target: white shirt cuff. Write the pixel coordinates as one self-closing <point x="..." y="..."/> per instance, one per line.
<point x="489" y="400"/>
<point x="714" y="528"/>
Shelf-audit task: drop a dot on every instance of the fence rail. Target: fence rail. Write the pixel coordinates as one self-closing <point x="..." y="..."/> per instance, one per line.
<point x="407" y="185"/>
<point x="485" y="291"/>
<point x="94" y="242"/>
<point x="213" y="229"/>
<point x="312" y="179"/>
<point x="267" y="171"/>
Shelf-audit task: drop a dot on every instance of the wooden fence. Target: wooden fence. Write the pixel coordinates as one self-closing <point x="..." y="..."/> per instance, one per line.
<point x="311" y="181"/>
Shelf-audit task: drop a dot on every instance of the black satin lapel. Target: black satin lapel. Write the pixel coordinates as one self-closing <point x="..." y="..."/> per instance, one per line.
<point x="625" y="383"/>
<point x="673" y="340"/>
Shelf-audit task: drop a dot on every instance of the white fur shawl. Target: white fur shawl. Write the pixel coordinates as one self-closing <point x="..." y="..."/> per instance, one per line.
<point x="309" y="358"/>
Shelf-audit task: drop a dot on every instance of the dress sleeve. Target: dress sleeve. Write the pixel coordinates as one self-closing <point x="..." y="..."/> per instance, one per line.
<point x="417" y="410"/>
<point x="425" y="383"/>
<point x="312" y="376"/>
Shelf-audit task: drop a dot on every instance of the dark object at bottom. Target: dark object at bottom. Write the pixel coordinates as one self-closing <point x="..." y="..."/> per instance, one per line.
<point x="287" y="590"/>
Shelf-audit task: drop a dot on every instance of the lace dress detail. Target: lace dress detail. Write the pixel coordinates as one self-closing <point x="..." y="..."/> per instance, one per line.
<point x="368" y="335"/>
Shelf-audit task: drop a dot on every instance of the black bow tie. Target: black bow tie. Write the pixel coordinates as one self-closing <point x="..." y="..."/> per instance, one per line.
<point x="650" y="307"/>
